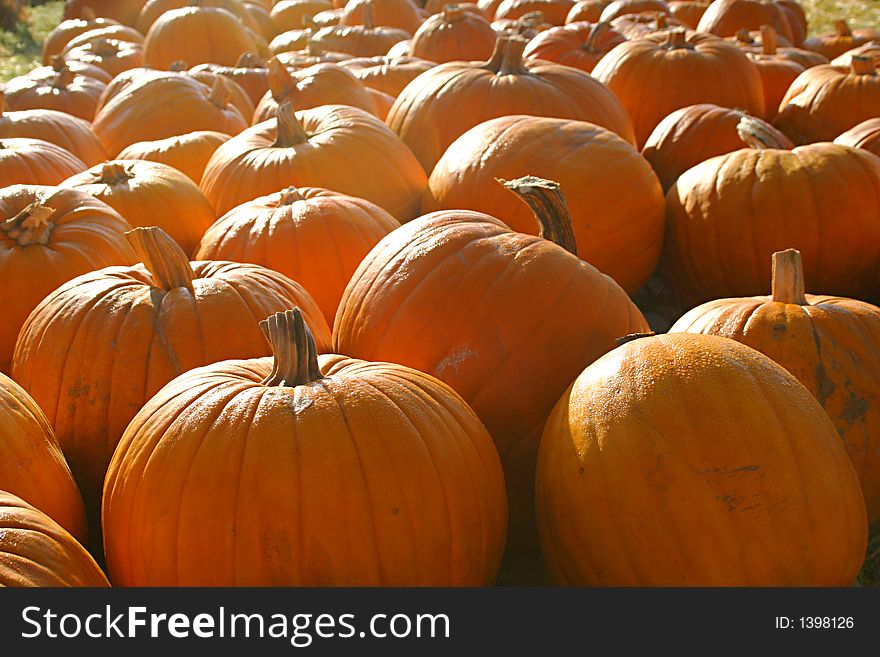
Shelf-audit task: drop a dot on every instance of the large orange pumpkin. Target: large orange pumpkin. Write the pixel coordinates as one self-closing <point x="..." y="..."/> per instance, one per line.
<point x="250" y="71"/>
<point x="840" y="41"/>
<point x="35" y="162"/>
<point x="124" y="11"/>
<point x="865" y="135"/>
<point x="619" y="8"/>
<point x="66" y="91"/>
<point x="586" y="10"/>
<point x="314" y="236"/>
<point x="335" y="147"/>
<point x="357" y="474"/>
<point x="726" y="17"/>
<point x="387" y="74"/>
<point x="580" y="45"/>
<point x="832" y="346"/>
<point x="35" y="551"/>
<point x="31" y="463"/>
<point x="48" y="236"/>
<point x="187" y="153"/>
<point x="689" y="11"/>
<point x="112" y="32"/>
<point x="445" y="294"/>
<point x="69" y="29"/>
<point x="657" y="75"/>
<point x="443" y="103"/>
<point x="693" y="460"/>
<point x="364" y="40"/>
<point x="616" y="210"/>
<point x="553" y="12"/>
<point x="110" y="55"/>
<point x="96" y="349"/>
<point x="401" y="14"/>
<point x="289" y="14"/>
<point x="153" y="10"/>
<point x="453" y="35"/>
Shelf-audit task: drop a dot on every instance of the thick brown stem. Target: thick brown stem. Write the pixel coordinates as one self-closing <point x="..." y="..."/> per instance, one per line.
<point x="290" y="196"/>
<point x="452" y="13"/>
<point x="296" y="357"/>
<point x="862" y="65"/>
<point x="367" y="16"/>
<point x="63" y="77"/>
<point x="113" y="173"/>
<point x="281" y="82"/>
<point x="841" y="28"/>
<point x="768" y="40"/>
<point x="756" y="134"/>
<point x="250" y="60"/>
<point x="661" y="22"/>
<point x="178" y="66"/>
<point x="290" y="131"/>
<point x="88" y="15"/>
<point x="596" y="33"/>
<point x="676" y="39"/>
<point x="161" y="255"/>
<point x="57" y="62"/>
<point x="632" y="337"/>
<point x="30" y="226"/>
<point x="507" y="58"/>
<point x="788" y="277"/>
<point x="547" y="202"/>
<point x="220" y="93"/>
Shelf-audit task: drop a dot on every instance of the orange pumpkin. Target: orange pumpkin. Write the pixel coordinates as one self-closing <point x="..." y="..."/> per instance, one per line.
<point x="120" y="33"/>
<point x="314" y="236"/>
<point x="153" y="10"/>
<point x="870" y="49"/>
<point x="726" y="17"/>
<point x="317" y="149"/>
<point x="35" y="162"/>
<point x="124" y="11"/>
<point x="696" y="133"/>
<point x="657" y="75"/>
<point x="841" y="40"/>
<point x="166" y="316"/>
<point x="387" y="74"/>
<point x="580" y="45"/>
<point x="865" y="135"/>
<point x="453" y="35"/>
<point x="262" y="17"/>
<point x="829" y="343"/>
<point x="358" y="474"/>
<point x="58" y="63"/>
<point x="455" y="311"/>
<point x="32" y="465"/>
<point x="237" y="96"/>
<point x="586" y="10"/>
<point x="359" y="40"/>
<point x="401" y="14"/>
<point x="35" y="551"/>
<point x="250" y="72"/>
<point x="553" y="12"/>
<point x="291" y="41"/>
<point x="71" y="28"/>
<point x="126" y="79"/>
<point x="619" y="8"/>
<point x="66" y="92"/>
<point x="110" y="55"/>
<point x="187" y="153"/>
<point x="289" y="14"/>
<point x="688" y="12"/>
<point x="48" y="236"/>
<point x="693" y="460"/>
<point x="777" y="72"/>
<point x="616" y="212"/>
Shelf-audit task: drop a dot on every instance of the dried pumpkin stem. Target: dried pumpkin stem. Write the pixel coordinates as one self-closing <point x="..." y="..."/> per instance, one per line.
<point x="676" y="39"/>
<point x="161" y="255"/>
<point x="250" y="60"/>
<point x="88" y="15"/>
<point x="367" y="16"/>
<point x="632" y="337"/>
<point x="296" y="357"/>
<point x="768" y="40"/>
<point x="756" y="134"/>
<point x="63" y="77"/>
<point x="220" y="93"/>
<point x="113" y="173"/>
<point x="661" y="21"/>
<point x="281" y="82"/>
<point x="31" y="226"/>
<point x="862" y="65"/>
<point x="452" y="13"/>
<point x="290" y="196"/>
<point x="178" y="66"/>
<point x="547" y="202"/>
<point x="841" y="28"/>
<point x="290" y="131"/>
<point x="507" y="58"/>
<point x="596" y="33"/>
<point x="788" y="277"/>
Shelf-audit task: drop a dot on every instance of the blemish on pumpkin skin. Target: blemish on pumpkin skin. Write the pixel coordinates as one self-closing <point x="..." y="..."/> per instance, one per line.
<point x="778" y="331"/>
<point x="855" y="409"/>
<point x="454" y="360"/>
<point x="826" y="386"/>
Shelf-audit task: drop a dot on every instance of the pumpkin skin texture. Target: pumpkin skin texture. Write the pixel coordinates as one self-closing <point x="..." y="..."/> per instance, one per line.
<point x="387" y="74"/>
<point x="694" y="134"/>
<point x="314" y="236"/>
<point x="69" y="92"/>
<point x="31" y="463"/>
<point x="153" y="10"/>
<point x="48" y="236"/>
<point x="166" y="319"/>
<point x="865" y="135"/>
<point x="420" y="488"/>
<point x="187" y="153"/>
<point x="454" y="34"/>
<point x="443" y="294"/>
<point x="35" y="551"/>
<point x="726" y="17"/>
<point x="745" y="480"/>
<point x="830" y="344"/>
<point x="580" y="45"/>
<point x="359" y="40"/>
<point x="586" y="10"/>
<point x="675" y="70"/>
<point x="620" y="8"/>
<point x="617" y="212"/>
<point x="317" y="148"/>
<point x="289" y="14"/>
<point x="150" y="194"/>
<point x="726" y="217"/>
<point x="870" y="49"/>
<point x="687" y="11"/>
<point x="824" y="101"/>
<point x="442" y="104"/>
<point x="35" y="162"/>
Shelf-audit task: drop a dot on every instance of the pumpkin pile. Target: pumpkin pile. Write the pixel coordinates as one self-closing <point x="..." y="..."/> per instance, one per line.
<point x="425" y="293"/>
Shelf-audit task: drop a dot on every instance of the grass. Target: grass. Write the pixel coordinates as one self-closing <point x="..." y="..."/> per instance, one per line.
<point x="821" y="14"/>
<point x="21" y="48"/>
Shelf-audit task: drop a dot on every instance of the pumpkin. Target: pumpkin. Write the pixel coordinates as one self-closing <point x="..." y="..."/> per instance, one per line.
<point x="399" y="49"/>
<point x="70" y="133"/>
<point x="865" y="135"/>
<point x="383" y="103"/>
<point x="553" y="12"/>
<point x="387" y="74"/>
<point x="870" y="49"/>
<point x="453" y="35"/>
<point x="48" y="236"/>
<point x="717" y="245"/>
<point x="262" y="17"/>
<point x="693" y="460"/>
<point x="616" y="211"/>
<point x="696" y="133"/>
<point x="321" y="84"/>
<point x="166" y="316"/>
<point x="160" y="107"/>
<point x="35" y="162"/>
<point x="126" y="79"/>
<point x="641" y="26"/>
<point x="66" y="91"/>
<point x="455" y="311"/>
<point x="69" y="29"/>
<point x="580" y="45"/>
<point x="841" y="40"/>
<point x="32" y="465"/>
<point x="237" y="95"/>
<point x="829" y="344"/>
<point x="150" y="194"/>
<point x="110" y="55"/>
<point x="331" y="18"/>
<point x="443" y="103"/>
<point x="432" y="7"/>
<point x="488" y="7"/>
<point x="657" y="75"/>
<point x="120" y="33"/>
<point x="726" y="17"/>
<point x="289" y="14"/>
<point x="754" y="42"/>
<point x="250" y="72"/>
<point x="824" y="101"/>
<point x="586" y="10"/>
<point x="777" y="72"/>
<point x="123" y="11"/>
<point x="35" y="551"/>
<point x="688" y="11"/>
<point x="619" y="8"/>
<point x="360" y="40"/>
<point x="291" y="41"/>
<point x="58" y="63"/>
<point x="317" y="149"/>
<point x="153" y="10"/>
<point x="187" y="153"/>
<point x="401" y="14"/>
<point x="358" y="474"/>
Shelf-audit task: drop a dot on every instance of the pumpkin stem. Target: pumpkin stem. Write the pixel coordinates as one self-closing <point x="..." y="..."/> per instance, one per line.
<point x="30" y="226"/>
<point x="862" y="65"/>
<point x="290" y="131"/>
<point x="841" y="28"/>
<point x="661" y="22"/>
<point x="768" y="40"/>
<point x="599" y="29"/>
<point x="281" y="82"/>
<point x="367" y="16"/>
<point x="307" y="22"/>
<point x="161" y="255"/>
<point x="63" y="77"/>
<point x="220" y="93"/>
<point x="314" y="48"/>
<point x="507" y="57"/>
<point x="788" y="277"/>
<point x="744" y="37"/>
<point x="56" y="62"/>
<point x="296" y="357"/>
<point x="113" y="173"/>
<point x="756" y="134"/>
<point x="88" y="15"/>
<point x="290" y="196"/>
<point x="2" y="103"/>
<point x="676" y="39"/>
<point x="632" y="337"/>
<point x="105" y="47"/>
<point x="250" y="60"/>
<point x="547" y="202"/>
<point x="452" y="13"/>
<point x="178" y="66"/>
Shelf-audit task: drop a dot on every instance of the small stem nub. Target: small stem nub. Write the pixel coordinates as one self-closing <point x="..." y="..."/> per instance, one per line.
<point x="676" y="38"/>
<point x="31" y="226"/>
<point x="289" y="196"/>
<point x="547" y="202"/>
<point x="296" y="357"/>
<point x="452" y="13"/>
<point x="163" y="257"/>
<point x="841" y="28"/>
<point x="113" y="173"/>
<point x="788" y="277"/>
<point x="862" y="65"/>
<point x="757" y="134"/>
<point x="632" y="337"/>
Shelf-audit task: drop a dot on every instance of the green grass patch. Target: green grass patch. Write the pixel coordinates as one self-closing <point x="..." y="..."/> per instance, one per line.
<point x="21" y="47"/>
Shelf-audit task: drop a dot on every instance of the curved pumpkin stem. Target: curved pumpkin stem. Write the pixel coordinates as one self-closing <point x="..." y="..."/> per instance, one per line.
<point x="88" y="15"/>
<point x="768" y="40"/>
<point x="113" y="173"/>
<point x="281" y="82"/>
<point x="30" y="226"/>
<point x="290" y="131"/>
<point x="63" y="77"/>
<point x="453" y="13"/>
<point x="161" y="255"/>
<point x="632" y="337"/>
<point x="296" y="357"/>
<point x="862" y="65"/>
<point x="596" y="33"/>
<point x="507" y="57"/>
<point x="841" y="28"/>
<point x="755" y="134"/>
<point x="250" y="60"/>
<point x="547" y="202"/>
<point x="290" y="196"/>
<point x="788" y="277"/>
<point x="220" y="93"/>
